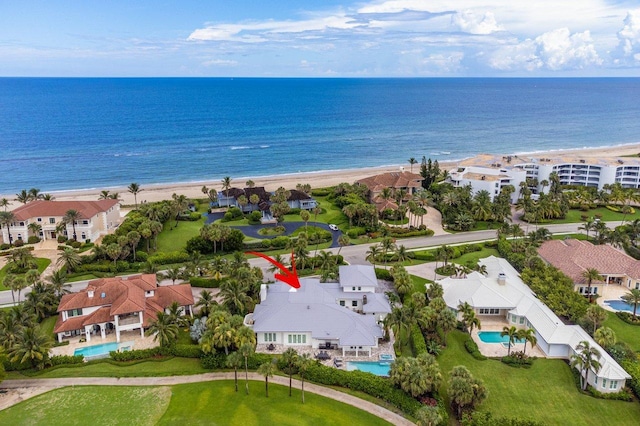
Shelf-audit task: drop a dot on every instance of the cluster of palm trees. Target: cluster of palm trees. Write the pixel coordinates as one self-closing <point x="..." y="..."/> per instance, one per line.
<point x="416" y="376"/>
<point x="586" y="358"/>
<point x="523" y="334"/>
<point x="385" y="251"/>
<point x="26" y="196"/>
<point x="415" y="205"/>
<point x="460" y="210"/>
<point x="166" y="327"/>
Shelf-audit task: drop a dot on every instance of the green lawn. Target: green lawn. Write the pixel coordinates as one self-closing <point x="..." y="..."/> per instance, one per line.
<point x="419" y="284"/>
<point x="573" y="215"/>
<point x="545" y="393"/>
<point x="47" y="325"/>
<point x="473" y="257"/>
<point x="41" y="262"/>
<point x="175" y="239"/>
<point x="207" y="403"/>
<point x="624" y="332"/>
<point x="169" y="367"/>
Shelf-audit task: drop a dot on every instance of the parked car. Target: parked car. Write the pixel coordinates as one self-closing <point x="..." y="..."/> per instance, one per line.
<point x="333" y="227"/>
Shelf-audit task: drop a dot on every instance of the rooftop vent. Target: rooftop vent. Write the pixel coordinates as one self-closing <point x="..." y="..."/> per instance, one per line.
<point x="502" y="278"/>
<point x="103" y="295"/>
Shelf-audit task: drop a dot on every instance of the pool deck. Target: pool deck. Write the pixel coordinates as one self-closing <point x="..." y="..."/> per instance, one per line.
<point x="125" y="336"/>
<point x="611" y="292"/>
<point x="496" y="350"/>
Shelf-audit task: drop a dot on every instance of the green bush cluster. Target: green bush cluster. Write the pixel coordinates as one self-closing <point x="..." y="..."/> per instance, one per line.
<point x="169" y="257"/>
<point x="383" y="274"/>
<point x="364" y="382"/>
<point x="355" y="232"/>
<point x="277" y="242"/>
<point x="33" y="240"/>
<point x="518" y="359"/>
<point x="623" y="395"/>
<point x="218" y="360"/>
<point x="472" y="348"/>
<point x="66" y="359"/>
<point x="138" y="354"/>
<point x="186" y="351"/>
<point x="628" y="318"/>
<point x="204" y="282"/>
<point x="411" y="232"/>
<point x="418" y="344"/>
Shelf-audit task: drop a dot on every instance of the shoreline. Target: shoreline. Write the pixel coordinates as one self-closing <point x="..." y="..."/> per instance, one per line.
<point x="318" y="179"/>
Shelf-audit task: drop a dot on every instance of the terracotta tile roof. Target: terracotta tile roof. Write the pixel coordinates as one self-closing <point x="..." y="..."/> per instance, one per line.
<point x="382" y="204"/>
<point x="43" y="208"/>
<point x="99" y="316"/>
<point x="392" y="180"/>
<point x="166" y="295"/>
<point x="73" y="323"/>
<point x="573" y="257"/>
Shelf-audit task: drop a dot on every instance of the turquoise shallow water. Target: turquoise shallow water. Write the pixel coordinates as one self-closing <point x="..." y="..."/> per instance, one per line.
<point x="75" y="133"/>
<point x="620" y="305"/>
<point x="102" y="349"/>
<point x="494" y="337"/>
<point x="376" y="367"/>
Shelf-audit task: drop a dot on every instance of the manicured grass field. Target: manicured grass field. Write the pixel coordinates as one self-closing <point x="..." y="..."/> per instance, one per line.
<point x="218" y="403"/>
<point x="175" y="238"/>
<point x="41" y="262"/>
<point x="545" y="393"/>
<point x="169" y="367"/>
<point x="473" y="257"/>
<point x="624" y="332"/>
<point x="207" y="403"/>
<point x="91" y="405"/>
<point x="419" y="284"/>
<point x="47" y="325"/>
<point x="573" y="215"/>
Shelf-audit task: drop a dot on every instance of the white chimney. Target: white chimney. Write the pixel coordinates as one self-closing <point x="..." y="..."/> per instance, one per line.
<point x="90" y="294"/>
<point x="502" y="278"/>
<point x="263" y="292"/>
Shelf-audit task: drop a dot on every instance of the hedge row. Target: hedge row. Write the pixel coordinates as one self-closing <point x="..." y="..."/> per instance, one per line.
<point x="218" y="360"/>
<point x="169" y="257"/>
<point x="66" y="359"/>
<point x="184" y="351"/>
<point x="418" y="344"/>
<point x="472" y="348"/>
<point x="204" y="282"/>
<point x="375" y="386"/>
<point x="628" y="317"/>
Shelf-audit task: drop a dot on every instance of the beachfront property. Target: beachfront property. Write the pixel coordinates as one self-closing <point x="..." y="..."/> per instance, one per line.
<point x="502" y="295"/>
<point x="573" y="257"/>
<point x="395" y="181"/>
<point x="97" y="218"/>
<point x="296" y="200"/>
<point x="118" y="304"/>
<point x="572" y="169"/>
<point x="346" y="315"/>
<point x="491" y="179"/>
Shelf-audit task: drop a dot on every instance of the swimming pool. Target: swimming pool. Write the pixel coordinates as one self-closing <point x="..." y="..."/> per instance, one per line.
<point x="102" y="350"/>
<point x="494" y="337"/>
<point x="379" y="368"/>
<point x="619" y="305"/>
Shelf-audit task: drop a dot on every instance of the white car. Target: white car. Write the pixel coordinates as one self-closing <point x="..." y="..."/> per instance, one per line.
<point x="333" y="227"/>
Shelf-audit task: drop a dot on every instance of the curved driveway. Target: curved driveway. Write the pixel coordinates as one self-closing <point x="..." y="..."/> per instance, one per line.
<point x="48" y="384"/>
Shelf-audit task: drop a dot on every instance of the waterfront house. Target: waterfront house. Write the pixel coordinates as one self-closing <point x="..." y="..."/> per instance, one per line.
<point x="97" y="218"/>
<point x="491" y="180"/>
<point x="296" y="200"/>
<point x="395" y="181"/>
<point x="501" y="294"/>
<point x="118" y="304"/>
<point x="345" y="315"/>
<point x="573" y="257"/>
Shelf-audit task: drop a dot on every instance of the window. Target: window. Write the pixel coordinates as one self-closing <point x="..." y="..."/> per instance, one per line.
<point x="596" y="380"/>
<point x="39" y="219"/>
<point x="83" y="236"/>
<point x="521" y="320"/>
<point x="52" y="221"/>
<point x="85" y="222"/>
<point x="353" y="289"/>
<point x="269" y="337"/>
<point x="354" y="303"/>
<point x="613" y="384"/>
<point x="74" y="312"/>
<point x="359" y="288"/>
<point x="489" y="311"/>
<point x="297" y="338"/>
<point x="342" y="303"/>
<point x="604" y="383"/>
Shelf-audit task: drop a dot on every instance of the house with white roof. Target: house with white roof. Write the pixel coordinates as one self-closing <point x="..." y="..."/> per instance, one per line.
<point x="345" y="315"/>
<point x="502" y="293"/>
<point x="491" y="180"/>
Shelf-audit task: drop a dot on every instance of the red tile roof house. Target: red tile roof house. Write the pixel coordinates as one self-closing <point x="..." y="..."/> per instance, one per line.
<point x="410" y="182"/>
<point x="97" y="218"/>
<point x="118" y="304"/>
<point x="573" y="257"/>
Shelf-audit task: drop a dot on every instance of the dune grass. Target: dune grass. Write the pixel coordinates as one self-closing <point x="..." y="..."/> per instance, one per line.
<point x="545" y="393"/>
<point x="207" y="403"/>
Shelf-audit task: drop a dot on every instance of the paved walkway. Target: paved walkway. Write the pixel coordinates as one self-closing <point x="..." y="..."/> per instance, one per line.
<point x="44" y="385"/>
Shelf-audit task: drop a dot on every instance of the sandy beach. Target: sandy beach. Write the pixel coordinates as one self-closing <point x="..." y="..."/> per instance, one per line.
<point x="159" y="192"/>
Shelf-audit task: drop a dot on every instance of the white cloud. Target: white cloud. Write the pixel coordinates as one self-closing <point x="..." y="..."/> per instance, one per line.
<point x="469" y="22"/>
<point x="554" y="50"/>
<point x="449" y="63"/>
<point x="629" y="37"/>
<point x="220" y="63"/>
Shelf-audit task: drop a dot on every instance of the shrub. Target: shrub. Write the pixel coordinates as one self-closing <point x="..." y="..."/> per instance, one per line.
<point x="518" y="359"/>
<point x="255" y="217"/>
<point x="280" y="242"/>
<point x="623" y="395"/>
<point x="628" y="318"/>
<point x="294" y="211"/>
<point x="383" y="274"/>
<point x="33" y="240"/>
<point x="186" y="351"/>
<point x="204" y="282"/>
<point x="375" y="386"/>
<point x="66" y="359"/>
<point x="214" y="361"/>
<point x="142" y="256"/>
<point x="418" y="343"/>
<point x="428" y="256"/>
<point x="633" y="368"/>
<point x="62" y="239"/>
<point x="472" y="348"/>
<point x="138" y="354"/>
<point x="199" y="244"/>
<point x="169" y="257"/>
<point x="18" y="243"/>
<point x="355" y="232"/>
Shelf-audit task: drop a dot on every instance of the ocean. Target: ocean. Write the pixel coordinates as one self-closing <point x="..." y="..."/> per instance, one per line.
<point x="80" y="133"/>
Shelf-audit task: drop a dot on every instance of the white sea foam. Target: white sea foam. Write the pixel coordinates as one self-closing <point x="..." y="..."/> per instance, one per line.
<point x="234" y="148"/>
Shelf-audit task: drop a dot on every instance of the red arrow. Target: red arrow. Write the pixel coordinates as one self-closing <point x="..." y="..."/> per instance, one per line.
<point x="289" y="277"/>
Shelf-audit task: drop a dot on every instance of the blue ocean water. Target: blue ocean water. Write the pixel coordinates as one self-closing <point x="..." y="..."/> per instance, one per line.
<point x="70" y="133"/>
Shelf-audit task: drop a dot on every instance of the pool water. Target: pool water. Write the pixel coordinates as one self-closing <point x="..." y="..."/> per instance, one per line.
<point x="379" y="368"/>
<point x="102" y="350"/>
<point x="619" y="305"/>
<point x="494" y="337"/>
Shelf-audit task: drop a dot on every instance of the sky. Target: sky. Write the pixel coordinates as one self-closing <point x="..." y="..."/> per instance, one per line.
<point x="327" y="38"/>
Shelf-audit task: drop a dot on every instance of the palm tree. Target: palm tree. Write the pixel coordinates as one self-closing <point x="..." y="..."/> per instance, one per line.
<point x="290" y="360"/>
<point x="246" y="351"/>
<point x="6" y="219"/>
<point x="591" y="274"/>
<point x="71" y="217"/>
<point x="164" y="329"/>
<point x="234" y="296"/>
<point x="304" y="363"/>
<point x="134" y="189"/>
<point x="235" y="361"/>
<point x="512" y="332"/>
<point x="4" y="203"/>
<point x="58" y="281"/>
<point x="35" y="229"/>
<point x="31" y="346"/>
<point x="267" y="369"/>
<point x="226" y="186"/>
<point x="173" y="274"/>
<point x="372" y="254"/>
<point x="632" y="298"/>
<point x="343" y="240"/>
<point x="205" y="303"/>
<point x="69" y="259"/>
<point x="428" y="416"/>
<point x="528" y="335"/>
<point x="586" y="358"/>
<point x="412" y="161"/>
<point x="605" y="337"/>
<point x="595" y="315"/>
<point x="23" y="197"/>
<point x="224" y="336"/>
